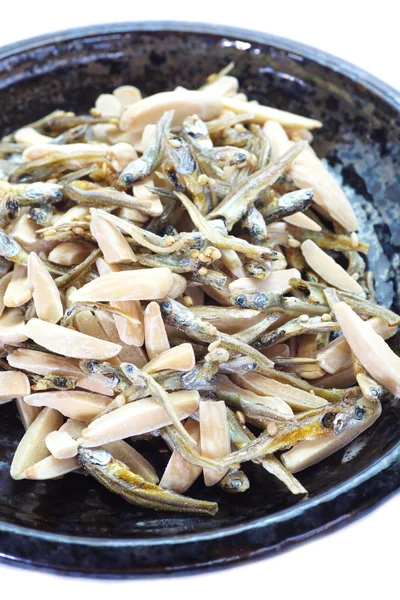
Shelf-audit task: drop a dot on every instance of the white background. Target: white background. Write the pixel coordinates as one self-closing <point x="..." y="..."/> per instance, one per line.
<point x="361" y="559"/>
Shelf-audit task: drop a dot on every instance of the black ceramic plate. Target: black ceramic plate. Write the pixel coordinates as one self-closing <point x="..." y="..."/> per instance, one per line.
<point x="74" y="525"/>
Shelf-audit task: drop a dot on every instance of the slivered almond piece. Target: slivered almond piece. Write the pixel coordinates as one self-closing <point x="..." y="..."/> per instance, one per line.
<point x="155" y="336"/>
<point x="150" y="109"/>
<point x="70" y="253"/>
<point x="142" y="284"/>
<point x="273" y="402"/>
<point x="278" y="139"/>
<point x="179" y="474"/>
<point x="370" y="349"/>
<point x="342" y="379"/>
<point x="30" y="136"/>
<point x="277" y="282"/>
<point x="112" y="243"/>
<point x="132" y="214"/>
<point x="61" y="445"/>
<point x="12" y="327"/>
<point x="40" y="150"/>
<point x="266" y="113"/>
<point x="301" y="220"/>
<point x="232" y="261"/>
<point x="131" y="354"/>
<point x="4" y="282"/>
<point x="141" y="191"/>
<point x="148" y="135"/>
<point x="27" y="413"/>
<point x="18" y="291"/>
<point x="51" y="468"/>
<point x="214" y="436"/>
<point x="69" y="342"/>
<point x="309" y="172"/>
<point x="32" y="447"/>
<point x="137" y="418"/>
<point x="73" y="427"/>
<point x="307" y="348"/>
<point x="133" y="460"/>
<point x="297" y="399"/>
<point x="24" y="232"/>
<point x="178" y="287"/>
<point x="86" y="322"/>
<point x="76" y="213"/>
<point x="279" y="350"/>
<point x="75" y="404"/>
<point x="13" y="384"/>
<point x="127" y="95"/>
<point x="108" y="105"/>
<point x="179" y="358"/>
<point x="336" y="356"/>
<point x="46" y="296"/>
<point x="104" y="268"/>
<point x="43" y="363"/>
<point x="328" y="269"/>
<point x="130" y="334"/>
<point x="121" y="154"/>
<point x="224" y="86"/>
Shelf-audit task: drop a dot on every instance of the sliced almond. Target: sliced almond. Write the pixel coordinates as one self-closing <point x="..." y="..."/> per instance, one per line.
<point x="43" y="363"/>
<point x="266" y="113"/>
<point x="4" y="282"/>
<point x="297" y="399"/>
<point x="76" y="213"/>
<point x="214" y="436"/>
<point x="275" y="403"/>
<point x="148" y="135"/>
<point x="32" y="447"/>
<point x="328" y="269"/>
<point x="108" y="105"/>
<point x="75" y="404"/>
<point x="232" y="261"/>
<point x="61" y="445"/>
<point x="112" y="243"/>
<point x="130" y="334"/>
<point x="46" y="296"/>
<point x="121" y="154"/>
<point x="179" y="474"/>
<point x="27" y="413"/>
<point x="279" y="350"/>
<point x="24" y="230"/>
<point x="69" y="342"/>
<point x="12" y="327"/>
<point x="301" y="220"/>
<point x="132" y="214"/>
<point x="142" y="284"/>
<point x="342" y="379"/>
<point x="155" y="336"/>
<point x="127" y="95"/>
<point x="131" y="354"/>
<point x="370" y="349"/>
<point x="178" y="287"/>
<point x="51" y="468"/>
<point x="18" y="291"/>
<point x="137" y="418"/>
<point x="336" y="356"/>
<point x="307" y="348"/>
<point x="179" y="358"/>
<point x="41" y="150"/>
<point x="150" y="109"/>
<point x="13" y="384"/>
<point x="278" y="139"/>
<point x="70" y="253"/>
<point x="224" y="86"/>
<point x="31" y="136"/>
<point x="233" y="322"/>
<point x="133" y="460"/>
<point x="277" y="282"/>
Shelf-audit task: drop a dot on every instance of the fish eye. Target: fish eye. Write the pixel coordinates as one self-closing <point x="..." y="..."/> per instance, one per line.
<point x="240" y="300"/>
<point x="359" y="413"/>
<point x="328" y="420"/>
<point x="165" y="305"/>
<point x="260" y="301"/>
<point x="128" y="178"/>
<point x="129" y="368"/>
<point x="240" y="157"/>
<point x="57" y="194"/>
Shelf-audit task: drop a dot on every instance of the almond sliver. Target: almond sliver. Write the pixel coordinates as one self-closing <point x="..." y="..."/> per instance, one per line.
<point x="214" y="437"/>
<point x="267" y="113"/>
<point x="26" y="413"/>
<point x="141" y="284"/>
<point x="18" y="291"/>
<point x="178" y="358"/>
<point x="137" y="418"/>
<point x="370" y="349"/>
<point x="277" y="282"/>
<point x="13" y="384"/>
<point x="75" y="404"/>
<point x="179" y="474"/>
<point x="46" y="296"/>
<point x="156" y="339"/>
<point x="32" y="447"/>
<point x="12" y="327"/>
<point x="328" y="269"/>
<point x="61" y="445"/>
<point x="51" y="468"/>
<point x="112" y="243"/>
<point x="69" y="342"/>
<point x="70" y="253"/>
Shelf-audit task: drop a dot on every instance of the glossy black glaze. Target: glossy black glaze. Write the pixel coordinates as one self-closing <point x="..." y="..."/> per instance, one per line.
<point x="74" y="525"/>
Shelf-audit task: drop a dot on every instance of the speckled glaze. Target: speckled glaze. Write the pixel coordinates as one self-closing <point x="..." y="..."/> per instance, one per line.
<point x="74" y="525"/>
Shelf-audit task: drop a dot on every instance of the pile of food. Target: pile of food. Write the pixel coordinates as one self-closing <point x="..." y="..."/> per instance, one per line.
<point x="183" y="266"/>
